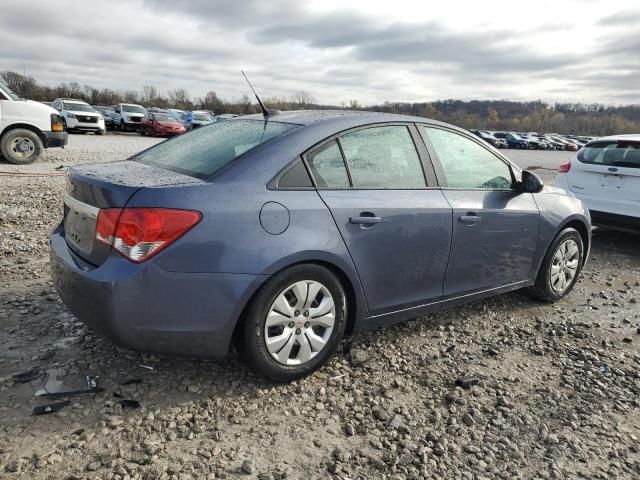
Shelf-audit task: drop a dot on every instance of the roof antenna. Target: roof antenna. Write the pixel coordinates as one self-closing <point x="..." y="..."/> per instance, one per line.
<point x="265" y="112"/>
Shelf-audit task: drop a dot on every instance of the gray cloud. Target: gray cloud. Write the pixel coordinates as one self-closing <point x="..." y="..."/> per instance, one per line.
<point x="337" y="55"/>
<point x="621" y="19"/>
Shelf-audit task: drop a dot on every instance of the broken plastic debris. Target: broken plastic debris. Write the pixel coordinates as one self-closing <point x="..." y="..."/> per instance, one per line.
<point x="131" y="381"/>
<point x="129" y="404"/>
<point x="31" y="374"/>
<point x="55" y="388"/>
<point x="148" y="367"/>
<point x="50" y="408"/>
<point x="467" y="382"/>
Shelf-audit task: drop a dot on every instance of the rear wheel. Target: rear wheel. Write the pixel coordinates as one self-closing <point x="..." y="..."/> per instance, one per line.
<point x="21" y="146"/>
<point x="560" y="268"/>
<point x="294" y="323"/>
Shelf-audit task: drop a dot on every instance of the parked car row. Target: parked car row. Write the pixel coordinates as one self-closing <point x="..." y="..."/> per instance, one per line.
<point x="533" y="140"/>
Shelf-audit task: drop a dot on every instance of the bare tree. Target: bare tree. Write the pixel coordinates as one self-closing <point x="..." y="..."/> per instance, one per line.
<point x="303" y="99"/>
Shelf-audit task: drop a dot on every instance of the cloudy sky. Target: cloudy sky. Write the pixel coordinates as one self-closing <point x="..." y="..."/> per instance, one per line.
<point x="337" y="50"/>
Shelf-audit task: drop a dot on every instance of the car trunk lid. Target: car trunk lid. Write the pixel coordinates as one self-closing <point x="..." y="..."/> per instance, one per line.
<point x="111" y="185"/>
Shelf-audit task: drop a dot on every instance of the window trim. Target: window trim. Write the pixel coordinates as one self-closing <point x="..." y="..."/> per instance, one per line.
<point x="274" y="183"/>
<point x="428" y="172"/>
<point x="442" y="179"/>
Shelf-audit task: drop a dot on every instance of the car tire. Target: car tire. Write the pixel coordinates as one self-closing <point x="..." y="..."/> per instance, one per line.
<point x="290" y="333"/>
<point x="142" y="132"/>
<point x="14" y="140"/>
<point x="101" y="132"/>
<point x="122" y="128"/>
<point x="566" y="248"/>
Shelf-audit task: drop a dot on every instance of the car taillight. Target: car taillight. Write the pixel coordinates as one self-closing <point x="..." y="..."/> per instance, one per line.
<point x="565" y="167"/>
<point x="140" y="233"/>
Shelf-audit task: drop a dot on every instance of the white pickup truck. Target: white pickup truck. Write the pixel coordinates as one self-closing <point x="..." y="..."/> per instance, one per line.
<point x="27" y="128"/>
<point x="128" y="116"/>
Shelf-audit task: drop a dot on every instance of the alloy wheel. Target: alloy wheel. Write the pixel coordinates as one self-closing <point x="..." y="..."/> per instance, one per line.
<point x="564" y="265"/>
<point x="299" y="322"/>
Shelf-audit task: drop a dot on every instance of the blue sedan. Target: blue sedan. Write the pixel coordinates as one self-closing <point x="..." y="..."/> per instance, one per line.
<point x="282" y="234"/>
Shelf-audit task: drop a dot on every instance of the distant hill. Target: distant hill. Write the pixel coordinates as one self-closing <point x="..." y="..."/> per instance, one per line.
<point x="567" y="118"/>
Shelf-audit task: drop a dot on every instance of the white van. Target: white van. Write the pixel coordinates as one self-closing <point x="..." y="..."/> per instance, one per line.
<point x="27" y="128"/>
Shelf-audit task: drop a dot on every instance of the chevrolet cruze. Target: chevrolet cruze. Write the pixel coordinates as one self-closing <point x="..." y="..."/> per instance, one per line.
<point x="283" y="233"/>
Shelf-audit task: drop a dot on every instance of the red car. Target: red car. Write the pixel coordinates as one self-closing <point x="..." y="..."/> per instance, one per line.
<point x="162" y="124"/>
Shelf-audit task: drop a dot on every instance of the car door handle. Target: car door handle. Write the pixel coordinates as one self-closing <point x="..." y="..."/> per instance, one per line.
<point x="470" y="218"/>
<point x="365" y="220"/>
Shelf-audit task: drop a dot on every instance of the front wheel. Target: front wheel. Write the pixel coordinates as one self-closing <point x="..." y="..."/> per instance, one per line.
<point x="21" y="146"/>
<point x="294" y="323"/>
<point x="560" y="268"/>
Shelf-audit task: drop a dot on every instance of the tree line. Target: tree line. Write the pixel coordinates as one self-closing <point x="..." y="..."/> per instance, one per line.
<point x="566" y="118"/>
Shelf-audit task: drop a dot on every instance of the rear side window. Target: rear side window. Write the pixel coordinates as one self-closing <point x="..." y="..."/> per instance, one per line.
<point x="383" y="157"/>
<point x="327" y="167"/>
<point x="618" y="154"/>
<point x="206" y="150"/>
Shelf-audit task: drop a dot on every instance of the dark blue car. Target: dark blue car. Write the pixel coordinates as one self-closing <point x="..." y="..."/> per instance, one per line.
<point x="284" y="233"/>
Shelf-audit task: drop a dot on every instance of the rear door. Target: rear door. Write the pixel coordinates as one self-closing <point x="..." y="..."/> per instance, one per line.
<point x="495" y="226"/>
<point x="397" y="229"/>
<point x="607" y="175"/>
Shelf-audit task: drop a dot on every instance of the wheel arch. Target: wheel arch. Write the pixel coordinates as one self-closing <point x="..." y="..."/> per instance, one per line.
<point x="355" y="307"/>
<point x="26" y="126"/>
<point x="583" y="230"/>
<point x="582" y="225"/>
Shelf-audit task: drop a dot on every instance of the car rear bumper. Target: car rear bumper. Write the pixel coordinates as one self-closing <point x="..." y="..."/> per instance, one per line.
<point x="602" y="205"/>
<point x="615" y="220"/>
<point x="55" y="139"/>
<point x="146" y="308"/>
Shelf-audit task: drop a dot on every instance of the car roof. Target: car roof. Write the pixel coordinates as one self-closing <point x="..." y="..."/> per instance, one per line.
<point x="72" y="100"/>
<point x="630" y="137"/>
<point x="312" y="117"/>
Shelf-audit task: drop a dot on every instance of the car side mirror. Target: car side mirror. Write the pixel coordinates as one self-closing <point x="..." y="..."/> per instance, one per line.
<point x="531" y="182"/>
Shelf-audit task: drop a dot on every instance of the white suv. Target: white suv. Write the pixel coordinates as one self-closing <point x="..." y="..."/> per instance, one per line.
<point x="79" y="116"/>
<point x="127" y="116"/>
<point x="605" y="175"/>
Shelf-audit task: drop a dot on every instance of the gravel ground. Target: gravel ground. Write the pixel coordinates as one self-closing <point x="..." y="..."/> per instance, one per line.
<point x="558" y="392"/>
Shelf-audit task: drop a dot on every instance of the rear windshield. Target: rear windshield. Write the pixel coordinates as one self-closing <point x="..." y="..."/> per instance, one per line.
<point x="619" y="154"/>
<point x="206" y="150"/>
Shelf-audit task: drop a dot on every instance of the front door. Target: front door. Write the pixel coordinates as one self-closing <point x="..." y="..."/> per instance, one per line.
<point x="495" y="227"/>
<point x="397" y="231"/>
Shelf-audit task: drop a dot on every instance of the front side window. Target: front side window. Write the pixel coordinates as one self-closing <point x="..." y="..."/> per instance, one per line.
<point x="466" y="164"/>
<point x="4" y="88"/>
<point x="616" y="154"/>
<point x="204" y="151"/>
<point x="383" y="157"/>
<point x="327" y="166"/>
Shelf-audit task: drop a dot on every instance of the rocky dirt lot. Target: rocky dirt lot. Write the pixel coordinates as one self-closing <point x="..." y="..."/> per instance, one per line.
<point x="557" y="397"/>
